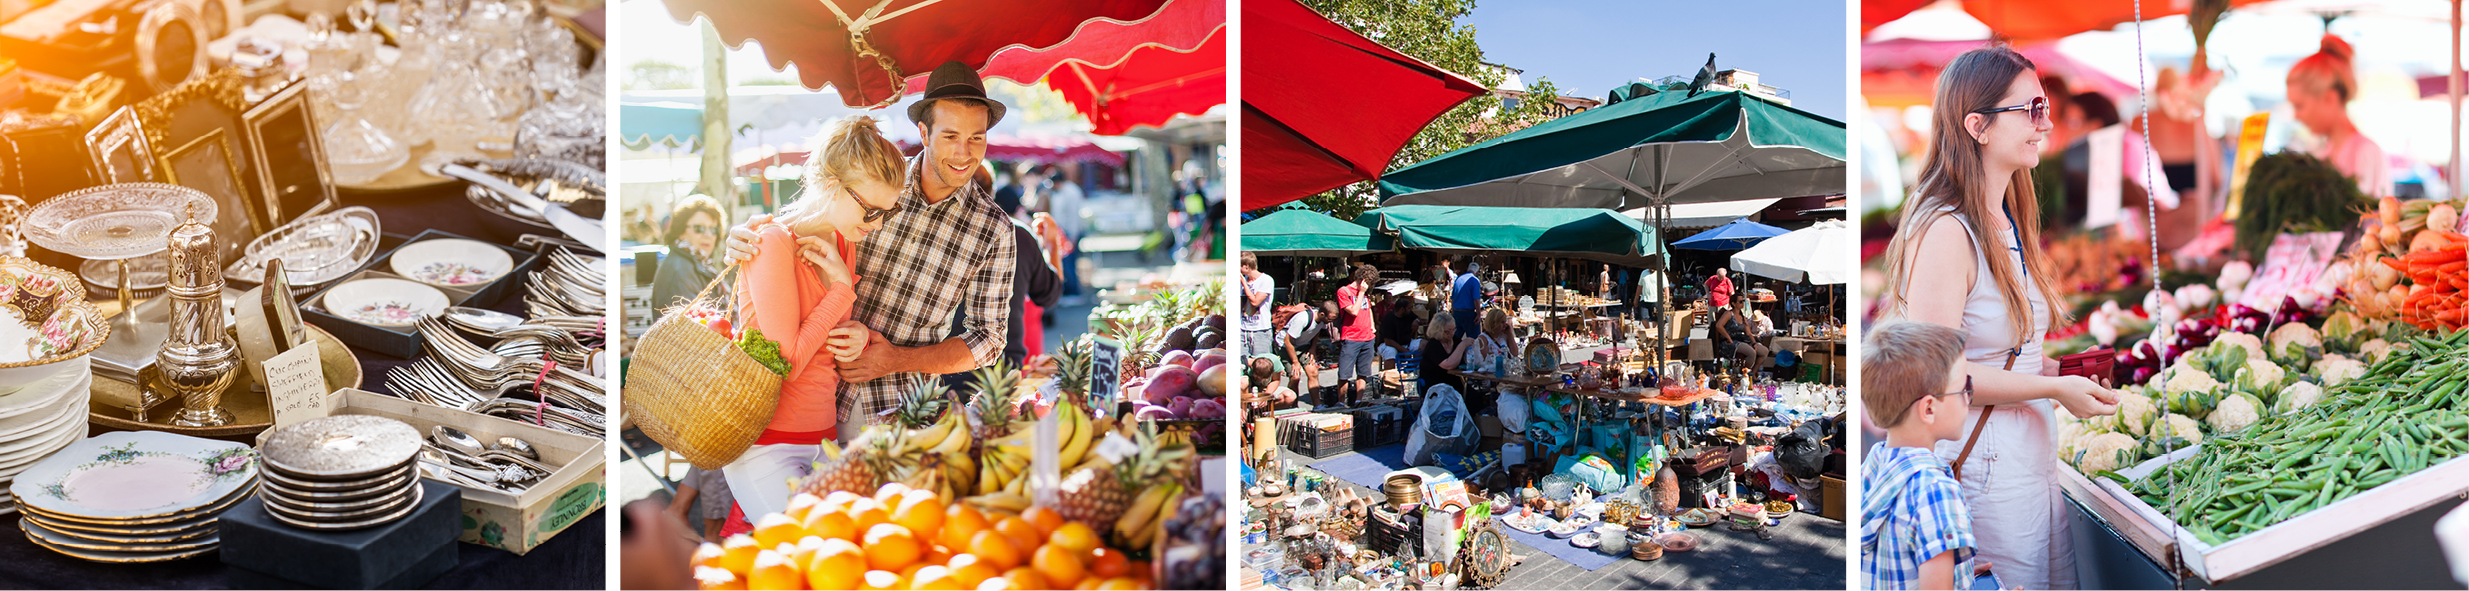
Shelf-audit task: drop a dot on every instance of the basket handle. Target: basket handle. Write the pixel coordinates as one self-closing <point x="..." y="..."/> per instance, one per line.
<point x="704" y="296"/>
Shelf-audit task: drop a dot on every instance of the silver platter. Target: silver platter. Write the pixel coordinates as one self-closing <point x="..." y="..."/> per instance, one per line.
<point x="384" y="499"/>
<point x="417" y="493"/>
<point x="299" y="497"/>
<point x="341" y="447"/>
<point x="294" y="483"/>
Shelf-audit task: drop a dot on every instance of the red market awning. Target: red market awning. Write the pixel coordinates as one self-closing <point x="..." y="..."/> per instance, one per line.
<point x="1152" y="85"/>
<point x="2030" y="20"/>
<point x="895" y="38"/>
<point x="1323" y="106"/>
<point x="1903" y="72"/>
<point x="1182" y="26"/>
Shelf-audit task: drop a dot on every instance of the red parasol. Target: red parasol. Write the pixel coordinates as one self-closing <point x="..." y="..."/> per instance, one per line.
<point x="1903" y="72"/>
<point x="1182" y="26"/>
<point x="1152" y="84"/>
<point x="1006" y="149"/>
<point x="895" y="38"/>
<point x="1322" y="106"/>
<point x="2028" y="20"/>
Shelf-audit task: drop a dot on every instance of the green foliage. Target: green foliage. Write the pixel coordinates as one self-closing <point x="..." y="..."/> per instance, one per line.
<point x="764" y="351"/>
<point x="660" y="75"/>
<point x="1428" y="30"/>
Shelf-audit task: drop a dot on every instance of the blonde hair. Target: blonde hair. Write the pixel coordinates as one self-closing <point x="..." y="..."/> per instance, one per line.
<point x="2331" y="69"/>
<point x="1903" y="362"/>
<point x="1951" y="175"/>
<point x="851" y="147"/>
<point x="1440" y="327"/>
<point x="1496" y="321"/>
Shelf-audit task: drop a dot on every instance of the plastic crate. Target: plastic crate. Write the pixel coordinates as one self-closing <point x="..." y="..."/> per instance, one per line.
<point x="1395" y="539"/>
<point x="1320" y="444"/>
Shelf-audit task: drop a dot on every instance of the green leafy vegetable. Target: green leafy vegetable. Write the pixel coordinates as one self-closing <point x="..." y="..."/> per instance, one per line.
<point x="764" y="351"/>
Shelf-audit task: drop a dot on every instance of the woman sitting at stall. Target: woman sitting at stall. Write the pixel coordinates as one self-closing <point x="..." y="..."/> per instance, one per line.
<point x="1734" y="338"/>
<point x="1443" y="352"/>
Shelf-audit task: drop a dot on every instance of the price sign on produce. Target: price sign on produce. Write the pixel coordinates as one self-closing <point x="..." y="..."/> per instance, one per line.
<point x="2294" y="261"/>
<point x="1105" y="373"/>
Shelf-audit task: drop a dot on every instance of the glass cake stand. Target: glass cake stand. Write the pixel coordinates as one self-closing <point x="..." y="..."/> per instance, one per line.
<point x="117" y="223"/>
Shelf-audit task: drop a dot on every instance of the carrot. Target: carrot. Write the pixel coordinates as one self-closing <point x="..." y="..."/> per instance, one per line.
<point x="2435" y="257"/>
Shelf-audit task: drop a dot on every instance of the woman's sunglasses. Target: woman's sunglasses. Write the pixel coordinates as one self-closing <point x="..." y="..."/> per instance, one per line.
<point x="704" y="229"/>
<point x="872" y="214"/>
<point x="2039" y="108"/>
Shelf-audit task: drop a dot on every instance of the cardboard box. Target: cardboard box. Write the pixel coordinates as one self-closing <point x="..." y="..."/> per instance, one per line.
<point x="514" y="523"/>
<point x="1830" y="498"/>
<point x="405" y="341"/>
<point x="1490" y="426"/>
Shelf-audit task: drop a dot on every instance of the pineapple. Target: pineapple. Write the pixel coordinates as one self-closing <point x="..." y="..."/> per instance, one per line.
<point x="1094" y="495"/>
<point x="1072" y="367"/>
<point x="875" y="457"/>
<point x="1139" y="338"/>
<point x="921" y="407"/>
<point x="994" y="403"/>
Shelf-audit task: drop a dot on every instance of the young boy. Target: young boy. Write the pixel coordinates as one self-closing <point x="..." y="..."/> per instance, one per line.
<point x="1915" y="530"/>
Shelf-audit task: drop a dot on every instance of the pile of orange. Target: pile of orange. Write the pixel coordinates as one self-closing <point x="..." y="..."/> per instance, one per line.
<point x="911" y="539"/>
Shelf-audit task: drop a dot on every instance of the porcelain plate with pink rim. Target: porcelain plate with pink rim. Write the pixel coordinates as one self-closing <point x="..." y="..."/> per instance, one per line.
<point x="131" y="474"/>
<point x="451" y="262"/>
<point x="385" y="302"/>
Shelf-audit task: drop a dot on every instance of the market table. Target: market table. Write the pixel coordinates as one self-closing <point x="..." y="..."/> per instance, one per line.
<point x="573" y="559"/>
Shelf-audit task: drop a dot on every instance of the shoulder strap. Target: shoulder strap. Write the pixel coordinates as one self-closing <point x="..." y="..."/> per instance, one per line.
<point x="1983" y="423"/>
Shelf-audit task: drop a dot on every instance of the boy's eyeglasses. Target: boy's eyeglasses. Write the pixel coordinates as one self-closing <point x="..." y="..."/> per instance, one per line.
<point x="1966" y="392"/>
<point x="2039" y="108"/>
<point x="873" y="214"/>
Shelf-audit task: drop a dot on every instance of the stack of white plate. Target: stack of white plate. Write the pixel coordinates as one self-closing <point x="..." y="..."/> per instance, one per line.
<point x="41" y="416"/>
<point x="134" y="496"/>
<point x="342" y="472"/>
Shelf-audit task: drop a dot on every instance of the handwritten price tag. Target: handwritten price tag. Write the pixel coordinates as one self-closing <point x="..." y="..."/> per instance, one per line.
<point x="296" y="386"/>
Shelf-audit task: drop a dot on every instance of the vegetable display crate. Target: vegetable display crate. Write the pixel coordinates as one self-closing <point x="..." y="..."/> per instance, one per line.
<point x="2148" y="530"/>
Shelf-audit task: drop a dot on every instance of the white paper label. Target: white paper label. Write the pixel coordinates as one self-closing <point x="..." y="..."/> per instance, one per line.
<point x="2102" y="182"/>
<point x="296" y="386"/>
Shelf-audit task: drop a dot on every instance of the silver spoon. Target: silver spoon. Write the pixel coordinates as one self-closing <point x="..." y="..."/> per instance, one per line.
<point x="515" y="446"/>
<point x="457" y="440"/>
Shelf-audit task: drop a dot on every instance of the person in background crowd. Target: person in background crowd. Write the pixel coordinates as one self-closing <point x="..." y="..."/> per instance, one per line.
<point x="1064" y="201"/>
<point x="1258" y="292"/>
<point x="702" y="502"/>
<point x="1719" y="288"/>
<point x="2320" y="88"/>
<point x="1465" y="296"/>
<point x="1444" y="351"/>
<point x="1301" y="338"/>
<point x="1603" y="283"/>
<point x="1357" y="364"/>
<point x="693" y="232"/>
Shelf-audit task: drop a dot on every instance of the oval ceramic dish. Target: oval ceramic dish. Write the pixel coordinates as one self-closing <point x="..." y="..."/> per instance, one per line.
<point x="451" y="262"/>
<point x="385" y="302"/>
<point x="135" y="475"/>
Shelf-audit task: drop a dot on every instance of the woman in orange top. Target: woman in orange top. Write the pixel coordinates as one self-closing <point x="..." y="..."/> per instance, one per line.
<point x="850" y="188"/>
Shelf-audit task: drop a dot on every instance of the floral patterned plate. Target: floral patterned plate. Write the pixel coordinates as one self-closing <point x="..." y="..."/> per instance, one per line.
<point x="75" y="538"/>
<point x="385" y="302"/>
<point x="136" y="474"/>
<point x="450" y="262"/>
<point x="132" y="556"/>
<point x="159" y="523"/>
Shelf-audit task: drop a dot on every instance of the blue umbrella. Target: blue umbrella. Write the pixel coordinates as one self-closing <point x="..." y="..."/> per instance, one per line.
<point x="1739" y="234"/>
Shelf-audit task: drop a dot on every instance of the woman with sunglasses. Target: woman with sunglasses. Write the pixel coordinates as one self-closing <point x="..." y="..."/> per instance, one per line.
<point x="1968" y="256"/>
<point x="692" y="235"/>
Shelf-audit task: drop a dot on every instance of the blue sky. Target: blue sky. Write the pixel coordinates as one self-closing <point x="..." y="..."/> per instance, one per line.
<point x="1586" y="47"/>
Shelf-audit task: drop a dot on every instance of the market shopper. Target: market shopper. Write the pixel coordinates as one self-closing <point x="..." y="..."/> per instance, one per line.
<point x="943" y="251"/>
<point x="693" y="233"/>
<point x="1357" y="363"/>
<point x="1736" y="336"/>
<point x="1465" y="296"/>
<point x="2320" y="88"/>
<point x="1258" y="289"/>
<point x="1299" y="340"/>
<point x="1969" y="257"/>
<point x="1719" y="288"/>
<point x="1444" y="350"/>
<point x="1915" y="531"/>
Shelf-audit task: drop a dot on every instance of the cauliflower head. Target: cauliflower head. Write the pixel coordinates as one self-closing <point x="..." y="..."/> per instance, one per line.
<point x="2299" y="395"/>
<point x="2105" y="452"/>
<point x="2374" y="350"/>
<point x="2295" y="342"/>
<point x="2252" y="344"/>
<point x="2235" y="413"/>
<point x="2183" y="428"/>
<point x="2262" y="377"/>
<point x="2335" y="370"/>
<point x="2135" y="412"/>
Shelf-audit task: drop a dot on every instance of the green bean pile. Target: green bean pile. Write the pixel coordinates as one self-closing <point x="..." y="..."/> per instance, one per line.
<point x="2410" y="411"/>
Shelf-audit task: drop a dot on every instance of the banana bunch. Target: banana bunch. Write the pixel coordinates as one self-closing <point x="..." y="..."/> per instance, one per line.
<point x="1006" y="459"/>
<point x="1004" y="502"/>
<point x="1140" y="523"/>
<point x="945" y="467"/>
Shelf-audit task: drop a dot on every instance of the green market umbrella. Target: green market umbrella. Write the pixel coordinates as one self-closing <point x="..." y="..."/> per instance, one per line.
<point x="1660" y="149"/>
<point x="1591" y="234"/>
<point x="1303" y="232"/>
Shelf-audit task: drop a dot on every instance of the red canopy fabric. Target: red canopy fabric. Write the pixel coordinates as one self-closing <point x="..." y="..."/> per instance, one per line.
<point x="1007" y="149"/>
<point x="1152" y="84"/>
<point x="2030" y="20"/>
<point x="914" y="35"/>
<point x="1183" y="25"/>
<point x="1903" y="72"/>
<point x="1322" y="106"/>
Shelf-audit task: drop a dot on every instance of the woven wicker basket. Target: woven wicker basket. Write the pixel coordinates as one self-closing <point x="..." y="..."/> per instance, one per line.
<point x="695" y="392"/>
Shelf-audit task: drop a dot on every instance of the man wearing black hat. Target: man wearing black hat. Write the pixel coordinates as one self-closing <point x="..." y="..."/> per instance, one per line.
<point x="937" y="292"/>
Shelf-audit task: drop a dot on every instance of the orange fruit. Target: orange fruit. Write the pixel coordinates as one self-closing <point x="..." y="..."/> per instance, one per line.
<point x="890" y="547"/>
<point x="832" y="522"/>
<point x="800" y="504"/>
<point x="996" y="550"/>
<point x="837" y="564"/>
<point x="993" y="584"/>
<point x="1046" y="520"/>
<point x="713" y="578"/>
<point x="1119" y="584"/>
<point x="920" y="510"/>
<point x="1109" y="563"/>
<point x="840" y="499"/>
<point x="1059" y="564"/>
<point x="935" y="553"/>
<point x="935" y="577"/>
<point x="889" y="491"/>
<point x="868" y="513"/>
<point x="960" y="522"/>
<point x="1086" y="584"/>
<point x="739" y="551"/>
<point x="971" y="570"/>
<point x="773" y="571"/>
<point x="707" y="554"/>
<point x="1023" y="536"/>
<point x="1026" y="578"/>
<point x="1075" y="536"/>
<point x="805" y="549"/>
<point x="882" y="580"/>
<point x="774" y="529"/>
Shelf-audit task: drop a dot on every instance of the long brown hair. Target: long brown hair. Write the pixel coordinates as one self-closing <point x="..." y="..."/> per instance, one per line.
<point x="1951" y="175"/>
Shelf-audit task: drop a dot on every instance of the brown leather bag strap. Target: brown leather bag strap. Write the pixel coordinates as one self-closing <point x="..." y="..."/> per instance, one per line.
<point x="1983" y="423"/>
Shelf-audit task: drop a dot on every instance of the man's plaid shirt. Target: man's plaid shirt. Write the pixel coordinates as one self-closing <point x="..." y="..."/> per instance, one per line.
<point x="927" y="263"/>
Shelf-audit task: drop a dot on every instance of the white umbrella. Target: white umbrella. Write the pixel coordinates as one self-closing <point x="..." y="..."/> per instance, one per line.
<point x="1815" y="252"/>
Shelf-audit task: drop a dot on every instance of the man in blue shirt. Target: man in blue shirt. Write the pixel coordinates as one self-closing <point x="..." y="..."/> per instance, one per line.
<point x="1465" y="295"/>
